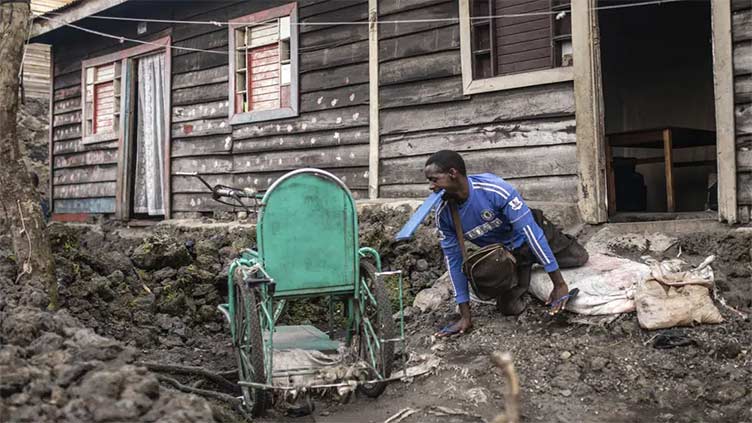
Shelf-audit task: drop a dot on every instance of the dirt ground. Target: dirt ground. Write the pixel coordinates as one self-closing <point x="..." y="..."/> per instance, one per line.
<point x="130" y="297"/>
<point x="150" y="295"/>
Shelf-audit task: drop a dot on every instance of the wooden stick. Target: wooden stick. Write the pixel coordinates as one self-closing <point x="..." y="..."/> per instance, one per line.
<point x="203" y="392"/>
<point x="191" y="370"/>
<point x="512" y="392"/>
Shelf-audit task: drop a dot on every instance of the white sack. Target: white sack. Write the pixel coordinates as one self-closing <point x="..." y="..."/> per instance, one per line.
<point x="607" y="284"/>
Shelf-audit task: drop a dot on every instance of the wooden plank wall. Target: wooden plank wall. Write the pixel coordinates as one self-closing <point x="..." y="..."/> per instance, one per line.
<point x="83" y="175"/>
<point x="741" y="21"/>
<point x="331" y="131"/>
<point x="36" y="71"/>
<point x="36" y="66"/>
<point x="527" y="135"/>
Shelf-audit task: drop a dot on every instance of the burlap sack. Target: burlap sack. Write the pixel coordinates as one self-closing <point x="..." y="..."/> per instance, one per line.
<point x="669" y="299"/>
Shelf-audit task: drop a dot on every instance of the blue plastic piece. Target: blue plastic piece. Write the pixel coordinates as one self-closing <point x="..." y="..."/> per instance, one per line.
<point x="419" y="216"/>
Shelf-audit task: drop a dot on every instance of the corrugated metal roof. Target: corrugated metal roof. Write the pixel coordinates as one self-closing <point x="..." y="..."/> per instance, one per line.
<point x="72" y="11"/>
<point x="44" y="6"/>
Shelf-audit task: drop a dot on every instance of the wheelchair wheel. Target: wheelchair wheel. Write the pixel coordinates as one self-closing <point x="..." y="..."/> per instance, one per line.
<point x="249" y="349"/>
<point x="380" y="316"/>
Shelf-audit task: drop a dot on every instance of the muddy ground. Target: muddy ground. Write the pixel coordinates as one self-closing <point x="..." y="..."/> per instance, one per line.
<point x="150" y="295"/>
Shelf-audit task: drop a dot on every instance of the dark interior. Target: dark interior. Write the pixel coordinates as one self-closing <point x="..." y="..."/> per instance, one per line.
<point x="657" y="71"/>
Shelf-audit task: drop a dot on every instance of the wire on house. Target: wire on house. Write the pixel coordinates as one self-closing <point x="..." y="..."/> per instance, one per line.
<point x="316" y="47"/>
<point x="366" y="22"/>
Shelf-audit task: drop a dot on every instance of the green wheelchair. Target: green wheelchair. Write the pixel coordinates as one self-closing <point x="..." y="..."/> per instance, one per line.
<point x="307" y="246"/>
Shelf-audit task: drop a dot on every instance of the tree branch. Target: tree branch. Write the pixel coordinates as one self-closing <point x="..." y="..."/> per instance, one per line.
<point x="191" y="370"/>
<point x="203" y="392"/>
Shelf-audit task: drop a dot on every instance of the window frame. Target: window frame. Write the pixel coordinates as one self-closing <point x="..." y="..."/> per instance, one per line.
<point x="124" y="58"/>
<point x="120" y="58"/>
<point x="237" y="118"/>
<point x="518" y="80"/>
<point x="113" y="134"/>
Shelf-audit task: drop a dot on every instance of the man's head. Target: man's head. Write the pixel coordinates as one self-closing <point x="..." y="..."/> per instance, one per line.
<point x="445" y="170"/>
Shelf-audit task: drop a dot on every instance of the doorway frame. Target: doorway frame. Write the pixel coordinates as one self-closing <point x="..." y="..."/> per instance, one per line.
<point x="124" y="176"/>
<point x="588" y="88"/>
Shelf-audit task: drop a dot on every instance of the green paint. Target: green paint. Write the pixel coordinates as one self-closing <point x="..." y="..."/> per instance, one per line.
<point x="308" y="238"/>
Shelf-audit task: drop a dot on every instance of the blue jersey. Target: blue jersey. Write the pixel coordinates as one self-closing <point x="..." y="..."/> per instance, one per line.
<point x="494" y="212"/>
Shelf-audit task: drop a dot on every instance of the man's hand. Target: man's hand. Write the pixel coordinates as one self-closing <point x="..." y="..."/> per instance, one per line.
<point x="560" y="290"/>
<point x="556" y="293"/>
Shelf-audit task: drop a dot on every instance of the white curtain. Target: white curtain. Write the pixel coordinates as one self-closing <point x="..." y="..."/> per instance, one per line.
<point x="150" y="138"/>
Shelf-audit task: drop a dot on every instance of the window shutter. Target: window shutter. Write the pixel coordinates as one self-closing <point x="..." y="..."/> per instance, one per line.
<point x="523" y="43"/>
<point x="102" y="98"/>
<point x="104" y="107"/>
<point x="263" y="66"/>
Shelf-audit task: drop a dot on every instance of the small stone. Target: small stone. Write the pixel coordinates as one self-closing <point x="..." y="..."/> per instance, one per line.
<point x="566" y="393"/>
<point x="565" y="355"/>
<point x="422" y="265"/>
<point x="598" y="363"/>
<point x="730" y="350"/>
<point x="727" y="392"/>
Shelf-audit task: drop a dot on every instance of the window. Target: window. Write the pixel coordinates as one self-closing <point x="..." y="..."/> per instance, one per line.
<point x="515" y="43"/>
<point x="101" y="102"/>
<point x="263" y="65"/>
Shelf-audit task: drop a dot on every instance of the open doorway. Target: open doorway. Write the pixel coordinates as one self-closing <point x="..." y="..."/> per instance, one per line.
<point x="657" y="78"/>
<point x="146" y="138"/>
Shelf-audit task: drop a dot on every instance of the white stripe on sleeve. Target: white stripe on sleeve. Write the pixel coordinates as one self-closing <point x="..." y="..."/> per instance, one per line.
<point x="534" y="242"/>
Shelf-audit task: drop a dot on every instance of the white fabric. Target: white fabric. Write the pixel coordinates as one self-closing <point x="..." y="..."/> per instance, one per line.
<point x="149" y="181"/>
<point x="607" y="285"/>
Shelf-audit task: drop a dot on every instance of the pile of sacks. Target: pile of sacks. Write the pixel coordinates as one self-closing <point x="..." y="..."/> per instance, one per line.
<point x="664" y="293"/>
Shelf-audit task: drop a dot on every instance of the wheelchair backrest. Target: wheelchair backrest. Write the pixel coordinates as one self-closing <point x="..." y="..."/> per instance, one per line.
<point x="308" y="234"/>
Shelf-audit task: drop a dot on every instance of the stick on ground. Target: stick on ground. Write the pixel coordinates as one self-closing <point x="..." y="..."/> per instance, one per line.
<point x="203" y="392"/>
<point x="512" y="392"/>
<point x="191" y="370"/>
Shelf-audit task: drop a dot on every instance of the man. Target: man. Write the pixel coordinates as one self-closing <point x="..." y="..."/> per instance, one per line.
<point x="492" y="211"/>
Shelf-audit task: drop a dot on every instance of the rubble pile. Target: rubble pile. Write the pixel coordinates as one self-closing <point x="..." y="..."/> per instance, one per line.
<point x="122" y="300"/>
<point x="130" y="296"/>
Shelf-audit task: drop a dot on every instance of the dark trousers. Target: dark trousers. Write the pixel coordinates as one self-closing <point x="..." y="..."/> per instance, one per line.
<point x="568" y="252"/>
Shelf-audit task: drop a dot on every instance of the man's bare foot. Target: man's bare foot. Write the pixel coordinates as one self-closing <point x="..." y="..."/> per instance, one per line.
<point x="459" y="327"/>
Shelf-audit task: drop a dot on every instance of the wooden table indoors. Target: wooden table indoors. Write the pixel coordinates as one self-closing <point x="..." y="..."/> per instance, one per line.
<point x="668" y="139"/>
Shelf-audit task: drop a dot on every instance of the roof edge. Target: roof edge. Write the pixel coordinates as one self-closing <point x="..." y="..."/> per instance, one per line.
<point x="70" y="13"/>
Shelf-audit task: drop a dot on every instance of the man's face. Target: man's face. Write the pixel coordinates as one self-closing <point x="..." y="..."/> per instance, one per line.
<point x="439" y="179"/>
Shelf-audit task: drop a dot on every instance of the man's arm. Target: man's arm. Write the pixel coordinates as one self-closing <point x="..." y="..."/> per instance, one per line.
<point x="452" y="254"/>
<point x="521" y="218"/>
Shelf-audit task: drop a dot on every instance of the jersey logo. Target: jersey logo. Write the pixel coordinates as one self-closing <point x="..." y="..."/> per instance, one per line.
<point x="515" y="203"/>
<point x="487" y="215"/>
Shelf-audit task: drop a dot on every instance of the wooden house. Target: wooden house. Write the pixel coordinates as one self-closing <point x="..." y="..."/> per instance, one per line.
<point x="541" y="92"/>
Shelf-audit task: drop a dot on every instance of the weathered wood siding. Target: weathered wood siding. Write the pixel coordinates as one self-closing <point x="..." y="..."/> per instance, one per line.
<point x="83" y="176"/>
<point x="36" y="64"/>
<point x="742" y="38"/>
<point x="36" y="71"/>
<point x="331" y="131"/>
<point x="527" y="135"/>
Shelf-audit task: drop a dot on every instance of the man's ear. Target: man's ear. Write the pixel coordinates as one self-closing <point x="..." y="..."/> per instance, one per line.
<point x="453" y="172"/>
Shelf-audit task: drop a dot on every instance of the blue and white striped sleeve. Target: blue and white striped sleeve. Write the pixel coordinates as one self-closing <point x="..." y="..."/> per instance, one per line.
<point x="452" y="253"/>
<point x="521" y="219"/>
